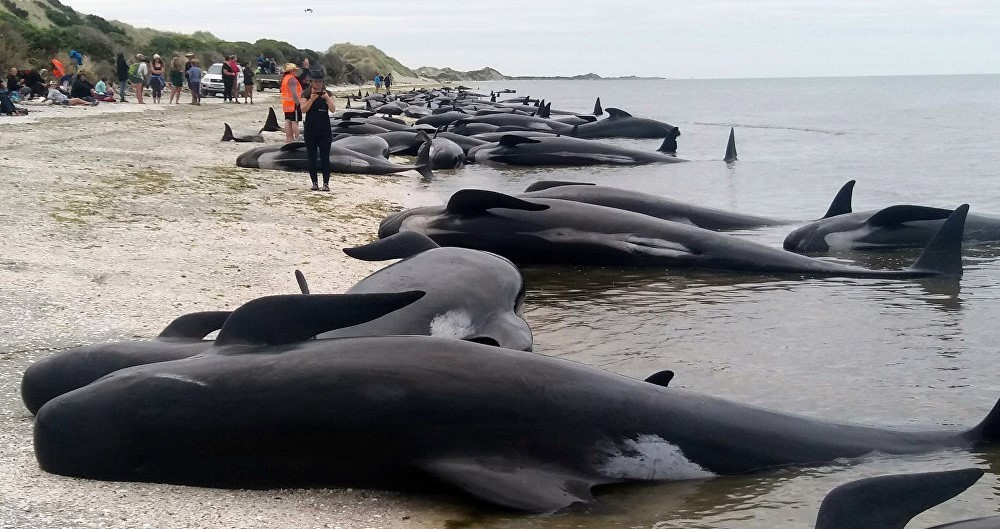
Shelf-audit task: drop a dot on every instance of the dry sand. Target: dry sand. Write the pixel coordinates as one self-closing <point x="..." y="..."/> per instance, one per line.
<point x="117" y="218"/>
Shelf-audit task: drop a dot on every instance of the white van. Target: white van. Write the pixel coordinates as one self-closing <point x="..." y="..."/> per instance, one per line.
<point x="211" y="81"/>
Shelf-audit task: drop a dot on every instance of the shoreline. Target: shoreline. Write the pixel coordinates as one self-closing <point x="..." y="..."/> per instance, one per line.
<point x="119" y="218"/>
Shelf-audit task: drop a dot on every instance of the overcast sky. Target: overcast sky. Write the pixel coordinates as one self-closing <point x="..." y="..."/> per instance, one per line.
<point x="664" y="38"/>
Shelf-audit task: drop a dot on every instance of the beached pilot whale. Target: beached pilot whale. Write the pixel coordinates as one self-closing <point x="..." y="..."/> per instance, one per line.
<point x="250" y="136"/>
<point x="621" y="124"/>
<point x="442" y="153"/>
<point x="532" y="150"/>
<point x="901" y="226"/>
<point x="661" y="207"/>
<point x="292" y="157"/>
<point x="470" y="295"/>
<point x="66" y="371"/>
<point x="892" y="501"/>
<point x="526" y="431"/>
<point x="554" y="231"/>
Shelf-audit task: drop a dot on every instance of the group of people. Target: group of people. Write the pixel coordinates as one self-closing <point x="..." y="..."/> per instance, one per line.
<point x="387" y="81"/>
<point x="35" y="85"/>
<point x="266" y="65"/>
<point x="156" y="75"/>
<point x="304" y="93"/>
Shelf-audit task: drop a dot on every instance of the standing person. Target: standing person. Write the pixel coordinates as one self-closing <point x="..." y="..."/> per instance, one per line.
<point x="194" y="82"/>
<point x="387" y="81"/>
<point x="291" y="91"/>
<point x="137" y="73"/>
<point x="121" y="68"/>
<point x="187" y="68"/>
<point x="156" y="80"/>
<point x="248" y="83"/>
<point x="318" y="134"/>
<point x="235" y="65"/>
<point x="58" y="70"/>
<point x="304" y="73"/>
<point x="176" y="80"/>
<point x="378" y="81"/>
<point x="228" y="79"/>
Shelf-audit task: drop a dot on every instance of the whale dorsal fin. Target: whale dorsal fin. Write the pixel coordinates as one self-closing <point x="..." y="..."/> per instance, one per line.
<point x="300" y="279"/>
<point x="277" y="320"/>
<point x="617" y="113"/>
<point x="731" y="146"/>
<point x="597" y="107"/>
<point x="890" y="502"/>
<point x="549" y="184"/>
<point x="473" y="201"/>
<point x="292" y="145"/>
<point x="396" y="246"/>
<point x="513" y="140"/>
<point x="894" y="215"/>
<point x="524" y="485"/>
<point x="194" y="326"/>
<point x="661" y="378"/>
<point x="271" y="123"/>
<point x="841" y="204"/>
<point x="943" y="254"/>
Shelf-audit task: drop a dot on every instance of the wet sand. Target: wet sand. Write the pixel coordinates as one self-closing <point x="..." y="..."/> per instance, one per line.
<point x="120" y="217"/>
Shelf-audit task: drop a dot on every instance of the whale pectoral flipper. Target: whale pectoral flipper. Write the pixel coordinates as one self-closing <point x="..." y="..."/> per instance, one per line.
<point x="277" y="320"/>
<point x="891" y="501"/>
<point x="522" y="485"/>
<point x="894" y="215"/>
<point x="194" y="326"/>
<point x="397" y="246"/>
<point x="513" y="140"/>
<point x="473" y="201"/>
<point x="548" y="184"/>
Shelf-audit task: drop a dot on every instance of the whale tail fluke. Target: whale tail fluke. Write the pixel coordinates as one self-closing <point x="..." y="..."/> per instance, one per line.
<point x="841" y="204"/>
<point x="271" y="123"/>
<point x="278" y="320"/>
<point x="227" y="134"/>
<point x="731" y="147"/>
<point x="891" y="501"/>
<point x="943" y="255"/>
<point x="423" y="162"/>
<point x="597" y="107"/>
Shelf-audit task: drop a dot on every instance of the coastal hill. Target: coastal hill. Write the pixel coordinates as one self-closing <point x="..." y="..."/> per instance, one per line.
<point x="34" y="31"/>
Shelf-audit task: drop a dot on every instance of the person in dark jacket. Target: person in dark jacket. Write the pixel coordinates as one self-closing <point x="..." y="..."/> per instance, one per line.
<point x="318" y="134"/>
<point x="83" y="89"/>
<point x="121" y="68"/>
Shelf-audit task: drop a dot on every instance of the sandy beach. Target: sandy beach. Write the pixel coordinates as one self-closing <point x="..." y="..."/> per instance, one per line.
<point x="120" y="217"/>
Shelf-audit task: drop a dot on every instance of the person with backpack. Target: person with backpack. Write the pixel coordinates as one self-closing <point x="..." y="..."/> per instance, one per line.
<point x="137" y="73"/>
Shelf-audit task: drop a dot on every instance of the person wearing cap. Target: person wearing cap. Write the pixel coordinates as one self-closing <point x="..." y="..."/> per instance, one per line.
<point x="291" y="91"/>
<point x="318" y="134"/>
<point x="137" y="75"/>
<point x="156" y="80"/>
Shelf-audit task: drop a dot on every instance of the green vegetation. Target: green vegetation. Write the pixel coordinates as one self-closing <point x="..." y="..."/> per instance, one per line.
<point x="32" y="32"/>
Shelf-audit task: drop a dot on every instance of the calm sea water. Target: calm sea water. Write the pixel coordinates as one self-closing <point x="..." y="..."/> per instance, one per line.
<point x="904" y="354"/>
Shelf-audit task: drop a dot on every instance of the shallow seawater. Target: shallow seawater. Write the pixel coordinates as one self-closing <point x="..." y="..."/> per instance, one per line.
<point x="911" y="354"/>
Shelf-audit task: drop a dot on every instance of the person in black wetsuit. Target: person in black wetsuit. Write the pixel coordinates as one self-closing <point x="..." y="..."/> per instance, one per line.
<point x="318" y="134"/>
